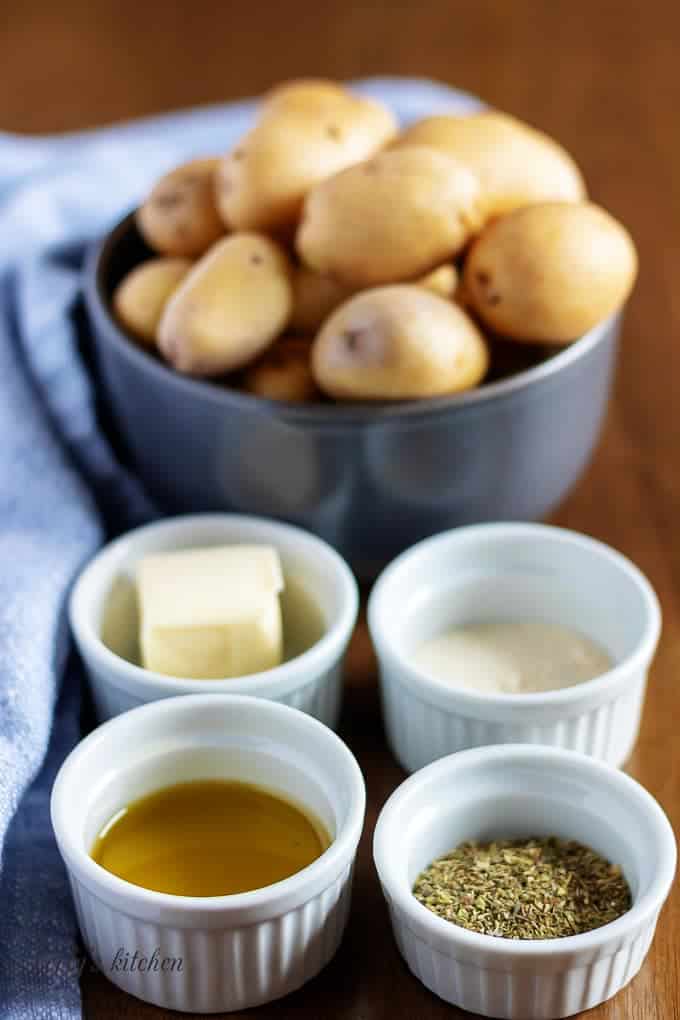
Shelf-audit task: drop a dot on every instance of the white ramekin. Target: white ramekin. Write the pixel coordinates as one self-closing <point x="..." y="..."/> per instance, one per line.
<point x="513" y="792"/>
<point x="506" y="572"/>
<point x="235" y="951"/>
<point x="311" y="681"/>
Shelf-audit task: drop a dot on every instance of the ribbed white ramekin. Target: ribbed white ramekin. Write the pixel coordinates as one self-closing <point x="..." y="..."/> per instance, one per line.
<point x="311" y="681"/>
<point x="513" y="792"/>
<point x="222" y="953"/>
<point x="507" y="572"/>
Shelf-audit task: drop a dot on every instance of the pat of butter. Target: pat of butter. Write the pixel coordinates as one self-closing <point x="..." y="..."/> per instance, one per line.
<point x="211" y="613"/>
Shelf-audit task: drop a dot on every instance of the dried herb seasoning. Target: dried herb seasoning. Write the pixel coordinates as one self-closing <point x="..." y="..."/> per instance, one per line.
<point x="538" y="888"/>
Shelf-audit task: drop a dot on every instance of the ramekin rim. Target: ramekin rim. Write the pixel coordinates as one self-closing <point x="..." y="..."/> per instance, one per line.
<point x="130" y="676"/>
<point x="433" y="691"/>
<point x="651" y="900"/>
<point x="111" y="888"/>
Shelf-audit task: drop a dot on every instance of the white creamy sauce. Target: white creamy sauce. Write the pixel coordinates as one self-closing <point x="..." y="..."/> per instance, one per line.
<point x="511" y="658"/>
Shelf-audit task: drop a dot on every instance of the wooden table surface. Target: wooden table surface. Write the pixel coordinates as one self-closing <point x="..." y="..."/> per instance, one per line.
<point x="604" y="78"/>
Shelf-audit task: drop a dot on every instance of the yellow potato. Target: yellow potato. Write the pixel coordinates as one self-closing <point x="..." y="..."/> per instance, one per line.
<point x="229" y="308"/>
<point x="180" y="215"/>
<point x="398" y="343"/>
<point x="139" y="299"/>
<point x="390" y="218"/>
<point x="263" y="181"/>
<point x="548" y="273"/>
<point x="442" y="281"/>
<point x="284" y="372"/>
<point x="314" y="298"/>
<point x="516" y="164"/>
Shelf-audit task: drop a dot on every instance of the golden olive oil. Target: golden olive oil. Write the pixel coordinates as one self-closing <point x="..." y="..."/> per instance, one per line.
<point x="209" y="838"/>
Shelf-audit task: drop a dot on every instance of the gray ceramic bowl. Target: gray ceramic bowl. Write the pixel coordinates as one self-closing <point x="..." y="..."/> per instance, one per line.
<point x="370" y="479"/>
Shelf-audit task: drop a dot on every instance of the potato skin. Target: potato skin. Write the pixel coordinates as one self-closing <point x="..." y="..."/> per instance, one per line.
<point x="442" y="281"/>
<point x="180" y="215"/>
<point x="262" y="183"/>
<point x="141" y="296"/>
<point x="234" y="302"/>
<point x="284" y="372"/>
<point x="313" y="93"/>
<point x="314" y="298"/>
<point x="391" y="218"/>
<point x="516" y="165"/>
<point x="550" y="272"/>
<point x="398" y="343"/>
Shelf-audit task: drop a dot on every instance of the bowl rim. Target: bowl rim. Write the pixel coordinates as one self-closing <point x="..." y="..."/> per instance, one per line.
<point x="277" y="894"/>
<point x="450" y="696"/>
<point x="626" y="787"/>
<point x="132" y="677"/>
<point x="316" y="415"/>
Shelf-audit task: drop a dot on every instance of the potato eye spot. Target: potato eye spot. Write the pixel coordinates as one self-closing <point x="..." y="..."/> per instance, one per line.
<point x="333" y="131"/>
<point x="238" y="154"/>
<point x="256" y="259"/>
<point x="483" y="278"/>
<point x="493" y="299"/>
<point x="168" y="200"/>
<point x="352" y="339"/>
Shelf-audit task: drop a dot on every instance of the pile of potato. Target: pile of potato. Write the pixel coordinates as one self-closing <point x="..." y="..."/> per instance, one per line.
<point x="329" y="254"/>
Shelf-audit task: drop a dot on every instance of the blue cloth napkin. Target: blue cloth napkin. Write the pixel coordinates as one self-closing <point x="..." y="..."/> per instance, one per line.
<point x="62" y="492"/>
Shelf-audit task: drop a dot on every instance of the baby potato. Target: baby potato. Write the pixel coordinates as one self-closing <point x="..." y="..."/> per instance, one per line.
<point x="139" y="299"/>
<point x="398" y="343"/>
<point x="550" y="272"/>
<point x="180" y="215"/>
<point x="442" y="281"/>
<point x="234" y="302"/>
<point x="393" y="217"/>
<point x="516" y="165"/>
<point x="262" y="182"/>
<point x="284" y="372"/>
<point x="314" y="297"/>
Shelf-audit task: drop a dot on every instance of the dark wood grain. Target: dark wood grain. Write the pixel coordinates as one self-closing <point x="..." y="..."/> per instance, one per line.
<point x="604" y="77"/>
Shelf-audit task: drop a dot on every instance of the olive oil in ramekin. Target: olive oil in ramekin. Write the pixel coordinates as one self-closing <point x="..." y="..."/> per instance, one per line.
<point x="209" y="838"/>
